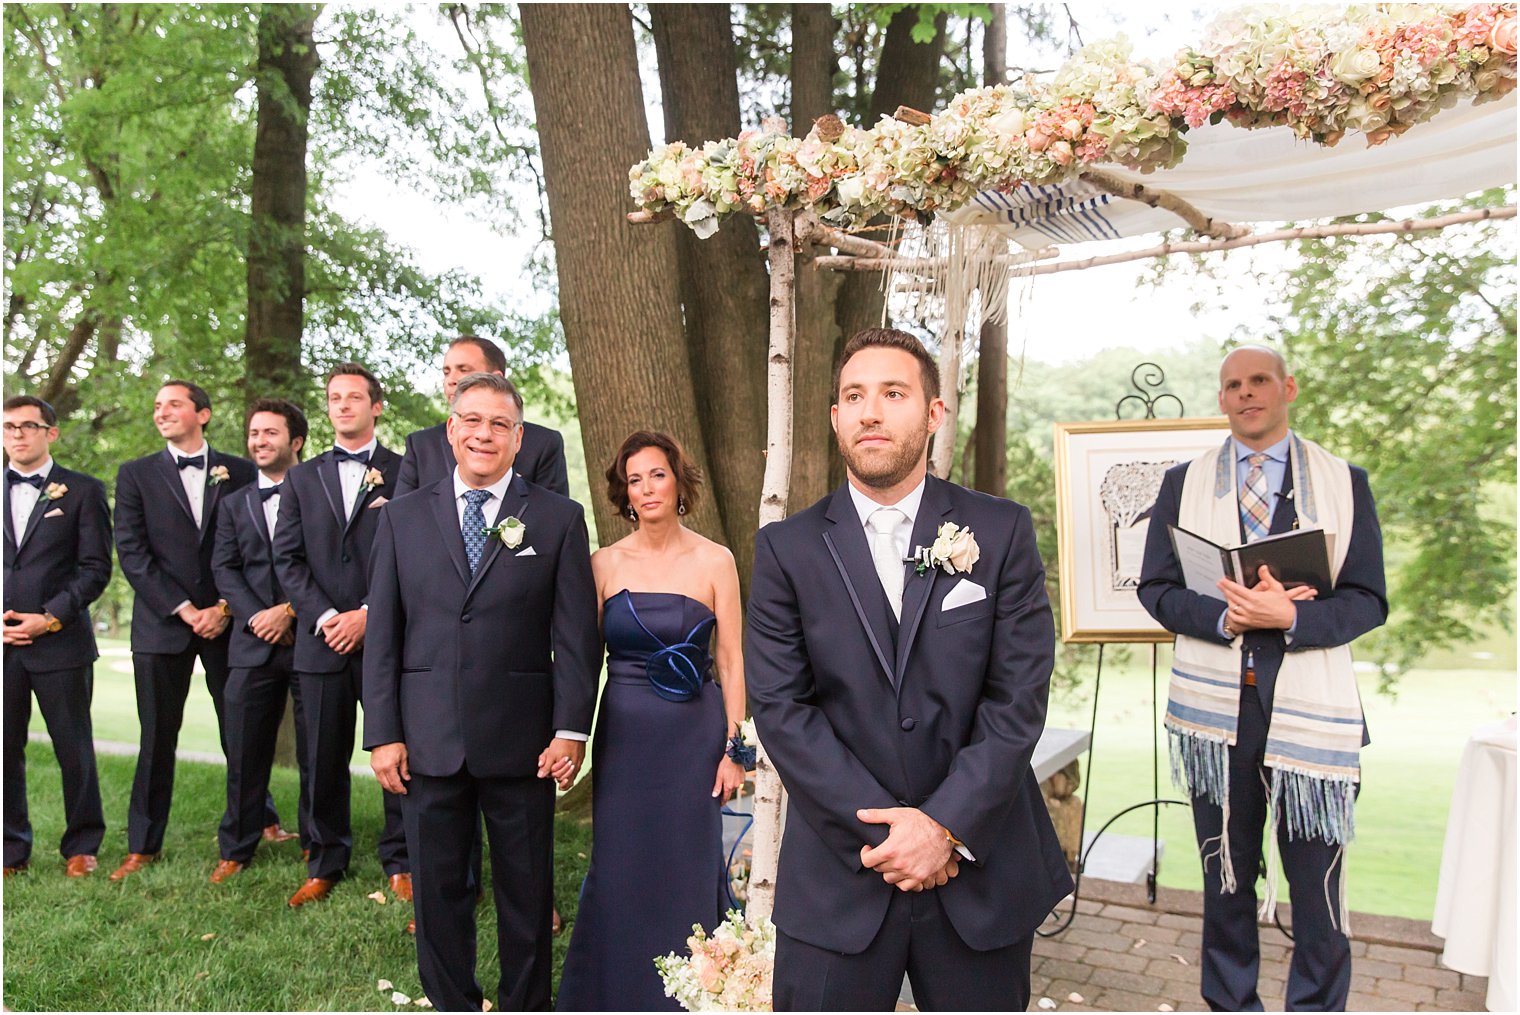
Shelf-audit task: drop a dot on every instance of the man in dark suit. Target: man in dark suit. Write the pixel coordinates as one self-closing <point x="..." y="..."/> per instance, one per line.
<point x="57" y="562"/>
<point x="479" y="683"/>
<point x="901" y="703"/>
<point x="330" y="508"/>
<point x="166" y="508"/>
<point x="1273" y="624"/>
<point x="262" y="654"/>
<point x="429" y="457"/>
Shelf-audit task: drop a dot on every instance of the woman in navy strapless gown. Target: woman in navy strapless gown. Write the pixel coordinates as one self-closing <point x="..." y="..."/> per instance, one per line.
<point x="660" y="774"/>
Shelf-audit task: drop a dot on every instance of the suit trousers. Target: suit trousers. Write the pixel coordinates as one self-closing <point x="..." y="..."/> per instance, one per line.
<point x="331" y="702"/>
<point x="916" y="938"/>
<point x="163" y="685"/>
<point x="64" y="698"/>
<point x="255" y="706"/>
<point x="1319" y="975"/>
<point x="441" y="820"/>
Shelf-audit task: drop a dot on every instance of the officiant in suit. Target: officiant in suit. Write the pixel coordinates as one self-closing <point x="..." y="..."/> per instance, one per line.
<point x="57" y="562"/>
<point x="901" y="703"/>
<point x="479" y="689"/>
<point x="1267" y="671"/>
<point x="166" y="510"/>
<point x="330" y="509"/>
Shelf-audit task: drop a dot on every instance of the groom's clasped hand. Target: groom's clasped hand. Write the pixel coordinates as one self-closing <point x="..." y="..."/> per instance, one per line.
<point x="918" y="854"/>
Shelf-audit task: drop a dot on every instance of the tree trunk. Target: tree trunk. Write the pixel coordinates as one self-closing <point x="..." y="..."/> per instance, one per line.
<point x="619" y="292"/>
<point x="277" y="231"/>
<point x="817" y="337"/>
<point x="907" y="75"/>
<point x="722" y="278"/>
<point x="991" y="445"/>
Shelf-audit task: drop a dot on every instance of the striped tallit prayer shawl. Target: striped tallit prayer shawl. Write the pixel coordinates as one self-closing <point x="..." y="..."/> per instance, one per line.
<point x="1314" y="735"/>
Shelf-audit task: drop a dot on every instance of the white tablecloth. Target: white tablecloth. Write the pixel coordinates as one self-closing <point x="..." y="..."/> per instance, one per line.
<point x="1475" y="899"/>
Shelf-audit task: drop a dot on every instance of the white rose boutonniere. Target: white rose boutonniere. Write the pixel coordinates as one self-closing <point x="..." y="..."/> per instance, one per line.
<point x="54" y="491"/>
<point x="218" y="475"/>
<point x="954" y="550"/>
<point x="510" y="531"/>
<point x="372" y="479"/>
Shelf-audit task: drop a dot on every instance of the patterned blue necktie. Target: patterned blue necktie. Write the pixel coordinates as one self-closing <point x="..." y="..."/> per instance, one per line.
<point x="475" y="526"/>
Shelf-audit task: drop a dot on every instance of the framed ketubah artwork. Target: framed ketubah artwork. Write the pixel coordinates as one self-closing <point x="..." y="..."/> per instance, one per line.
<point x="1107" y="477"/>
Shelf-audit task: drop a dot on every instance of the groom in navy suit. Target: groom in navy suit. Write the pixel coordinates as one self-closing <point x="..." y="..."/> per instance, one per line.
<point x="479" y="683"/>
<point x="901" y="701"/>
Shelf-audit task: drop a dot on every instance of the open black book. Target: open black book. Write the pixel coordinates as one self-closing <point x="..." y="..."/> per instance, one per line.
<point x="1300" y="557"/>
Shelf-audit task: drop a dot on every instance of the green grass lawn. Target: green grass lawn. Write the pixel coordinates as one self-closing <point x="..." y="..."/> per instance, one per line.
<point x="142" y="944"/>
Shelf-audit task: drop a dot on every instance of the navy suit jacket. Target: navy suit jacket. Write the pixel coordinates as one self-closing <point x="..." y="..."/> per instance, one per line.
<point x="321" y="548"/>
<point x="479" y="671"/>
<point x="540" y="460"/>
<point x="942" y="713"/>
<point x="1357" y="604"/>
<point x="61" y="567"/>
<point x="165" y="556"/>
<point x="243" y="563"/>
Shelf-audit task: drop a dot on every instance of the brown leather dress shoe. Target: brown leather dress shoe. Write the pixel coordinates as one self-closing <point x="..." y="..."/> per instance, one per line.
<point x="401" y="887"/>
<point x="226" y="869"/>
<point x="314" y="890"/>
<point x="556" y="925"/>
<point x="80" y="865"/>
<point x="132" y="864"/>
<point x="411" y="926"/>
<point x="13" y="871"/>
<point x="274" y="833"/>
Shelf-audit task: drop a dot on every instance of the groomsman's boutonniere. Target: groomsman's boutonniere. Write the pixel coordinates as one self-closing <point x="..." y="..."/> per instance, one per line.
<point x="510" y="531"/>
<point x="954" y="550"/>
<point x="372" y="479"/>
<point x="54" y="491"/>
<point x="219" y="475"/>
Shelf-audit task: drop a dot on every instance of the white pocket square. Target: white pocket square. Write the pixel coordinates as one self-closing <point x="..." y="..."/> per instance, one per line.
<point x="379" y="502"/>
<point x="965" y="593"/>
<point x="526" y="551"/>
<point x="55" y="513"/>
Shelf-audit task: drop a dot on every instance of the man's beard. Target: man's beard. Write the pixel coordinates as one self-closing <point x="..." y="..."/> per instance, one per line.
<point x="884" y="471"/>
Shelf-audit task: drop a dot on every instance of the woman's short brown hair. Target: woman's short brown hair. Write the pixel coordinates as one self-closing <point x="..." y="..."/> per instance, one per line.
<point x="688" y="476"/>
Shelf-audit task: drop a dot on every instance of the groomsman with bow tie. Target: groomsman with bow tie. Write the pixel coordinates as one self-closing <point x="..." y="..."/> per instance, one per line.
<point x="166" y="508"/>
<point x="329" y="511"/>
<point x="262" y="652"/>
<point x="57" y="562"/>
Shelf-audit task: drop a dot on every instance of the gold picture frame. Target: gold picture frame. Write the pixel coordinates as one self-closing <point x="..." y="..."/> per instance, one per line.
<point x="1107" y="476"/>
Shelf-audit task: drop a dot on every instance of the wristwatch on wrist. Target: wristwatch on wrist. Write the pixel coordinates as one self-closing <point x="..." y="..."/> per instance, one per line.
<point x="290" y="611"/>
<point x="54" y="624"/>
<point x="226" y="610"/>
<point x="1229" y="632"/>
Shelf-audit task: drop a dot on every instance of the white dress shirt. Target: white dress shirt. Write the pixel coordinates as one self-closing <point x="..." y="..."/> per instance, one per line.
<point x="272" y="505"/>
<point x="866" y="507"/>
<point x="491" y="509"/>
<point x="192" y="479"/>
<point x="351" y="473"/>
<point x="23" y="498"/>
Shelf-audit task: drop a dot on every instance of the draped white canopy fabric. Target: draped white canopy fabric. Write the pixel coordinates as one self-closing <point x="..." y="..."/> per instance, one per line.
<point x="1269" y="175"/>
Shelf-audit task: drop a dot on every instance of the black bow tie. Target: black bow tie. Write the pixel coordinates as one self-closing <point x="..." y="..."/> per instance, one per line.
<point x="339" y="455"/>
<point x="198" y="462"/>
<point x="12" y="477"/>
<point x="266" y="492"/>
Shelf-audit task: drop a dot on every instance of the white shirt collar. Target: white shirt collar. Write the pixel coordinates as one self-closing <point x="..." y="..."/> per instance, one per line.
<point x="204" y="449"/>
<point x="265" y="482"/>
<point x="42" y="470"/>
<point x="374" y="442"/>
<point x="498" y="489"/>
<point x="865" y="506"/>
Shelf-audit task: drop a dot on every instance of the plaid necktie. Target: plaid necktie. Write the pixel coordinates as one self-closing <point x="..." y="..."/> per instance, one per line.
<point x="1253" y="499"/>
<point x="474" y="529"/>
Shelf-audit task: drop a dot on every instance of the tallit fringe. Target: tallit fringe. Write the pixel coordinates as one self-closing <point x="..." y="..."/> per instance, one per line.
<point x="1201" y="766"/>
<point x="1315" y="806"/>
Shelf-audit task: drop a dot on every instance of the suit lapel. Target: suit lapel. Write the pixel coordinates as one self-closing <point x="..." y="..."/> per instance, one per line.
<point x="446" y="514"/>
<point x="916" y="588"/>
<point x="212" y="494"/>
<point x="332" y="485"/>
<point x="1285" y="515"/>
<point x="256" y="509"/>
<point x="514" y="503"/>
<point x="846" y="543"/>
<point x="42" y="507"/>
<point x="388" y="463"/>
<point x="169" y="470"/>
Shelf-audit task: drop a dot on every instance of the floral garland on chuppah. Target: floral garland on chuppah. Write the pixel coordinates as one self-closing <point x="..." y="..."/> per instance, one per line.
<point x="1321" y="71"/>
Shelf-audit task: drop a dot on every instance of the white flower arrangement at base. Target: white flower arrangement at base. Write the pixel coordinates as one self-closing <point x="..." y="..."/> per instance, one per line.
<point x="730" y="970"/>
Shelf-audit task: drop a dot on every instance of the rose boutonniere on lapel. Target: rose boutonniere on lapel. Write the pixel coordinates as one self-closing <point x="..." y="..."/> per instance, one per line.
<point x="372" y="479"/>
<point x="954" y="550"/>
<point x="510" y="531"/>
<point x="218" y="475"/>
<point x="54" y="490"/>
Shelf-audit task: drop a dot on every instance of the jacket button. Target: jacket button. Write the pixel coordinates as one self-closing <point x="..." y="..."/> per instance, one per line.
<point x="346" y="558"/>
<point x="908" y="724"/>
<point x="465" y="619"/>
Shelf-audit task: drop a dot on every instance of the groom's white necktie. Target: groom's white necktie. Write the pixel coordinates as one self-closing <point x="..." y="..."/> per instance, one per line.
<point x="887" y="557"/>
